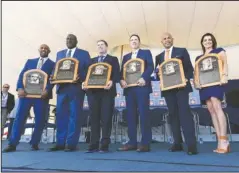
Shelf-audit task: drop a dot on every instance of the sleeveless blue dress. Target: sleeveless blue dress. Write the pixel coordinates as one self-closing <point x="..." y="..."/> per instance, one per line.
<point x="216" y="91"/>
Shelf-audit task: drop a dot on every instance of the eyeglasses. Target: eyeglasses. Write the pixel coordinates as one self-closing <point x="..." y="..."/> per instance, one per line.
<point x="5" y="87"/>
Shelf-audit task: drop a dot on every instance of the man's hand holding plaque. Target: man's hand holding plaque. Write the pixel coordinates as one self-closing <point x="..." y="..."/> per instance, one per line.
<point x="21" y="93"/>
<point x="141" y="82"/>
<point x="109" y="85"/>
<point x="123" y="84"/>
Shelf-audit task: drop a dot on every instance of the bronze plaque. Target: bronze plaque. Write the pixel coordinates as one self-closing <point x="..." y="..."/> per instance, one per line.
<point x="171" y="74"/>
<point x="66" y="71"/>
<point x="34" y="82"/>
<point x="133" y="70"/>
<point x="98" y="75"/>
<point x="208" y="71"/>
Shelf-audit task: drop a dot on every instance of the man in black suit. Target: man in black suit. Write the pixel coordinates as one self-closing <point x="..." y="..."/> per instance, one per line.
<point x="102" y="102"/>
<point x="8" y="103"/>
<point x="177" y="99"/>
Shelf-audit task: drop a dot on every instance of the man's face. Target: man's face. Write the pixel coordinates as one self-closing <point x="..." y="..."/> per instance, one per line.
<point x="102" y="48"/>
<point x="71" y="41"/>
<point x="167" y="40"/>
<point x="5" y="88"/>
<point x="44" y="50"/>
<point x="134" y="42"/>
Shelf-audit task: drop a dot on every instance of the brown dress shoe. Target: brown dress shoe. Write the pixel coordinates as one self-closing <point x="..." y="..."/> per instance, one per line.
<point x="34" y="147"/>
<point x="143" y="148"/>
<point x="127" y="147"/>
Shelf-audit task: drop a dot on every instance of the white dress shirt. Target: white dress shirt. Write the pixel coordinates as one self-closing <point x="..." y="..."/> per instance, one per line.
<point x="44" y="60"/>
<point x="134" y="53"/>
<point x="170" y="52"/>
<point x="72" y="51"/>
<point x="4" y="100"/>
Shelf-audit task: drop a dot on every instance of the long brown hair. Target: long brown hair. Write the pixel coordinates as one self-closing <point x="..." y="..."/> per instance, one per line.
<point x="214" y="41"/>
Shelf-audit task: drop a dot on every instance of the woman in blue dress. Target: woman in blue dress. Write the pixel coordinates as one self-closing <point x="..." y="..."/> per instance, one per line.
<point x="212" y="96"/>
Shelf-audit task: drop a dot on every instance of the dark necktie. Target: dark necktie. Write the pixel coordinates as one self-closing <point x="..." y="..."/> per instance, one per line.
<point x="101" y="58"/>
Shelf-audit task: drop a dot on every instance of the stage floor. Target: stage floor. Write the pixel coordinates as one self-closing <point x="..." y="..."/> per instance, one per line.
<point x="159" y="159"/>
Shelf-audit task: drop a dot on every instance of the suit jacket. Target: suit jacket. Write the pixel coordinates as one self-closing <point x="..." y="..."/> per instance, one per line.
<point x="10" y="102"/>
<point x="83" y="57"/>
<point x="182" y="54"/>
<point x="115" y="74"/>
<point x="149" y="67"/>
<point x="47" y="67"/>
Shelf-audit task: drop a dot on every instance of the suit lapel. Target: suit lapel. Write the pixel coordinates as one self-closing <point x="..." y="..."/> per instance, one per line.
<point x="173" y="54"/>
<point x="43" y="68"/>
<point x="74" y="55"/>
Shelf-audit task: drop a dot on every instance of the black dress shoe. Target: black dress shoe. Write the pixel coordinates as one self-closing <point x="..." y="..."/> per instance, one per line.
<point x="56" y="148"/>
<point x="176" y="147"/>
<point x="9" y="148"/>
<point x="192" y="150"/>
<point x="104" y="148"/>
<point x="93" y="148"/>
<point x="34" y="148"/>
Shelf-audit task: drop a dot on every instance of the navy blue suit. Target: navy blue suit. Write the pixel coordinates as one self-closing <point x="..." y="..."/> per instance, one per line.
<point x="137" y="100"/>
<point x="40" y="105"/>
<point x="70" y="99"/>
<point x="102" y="104"/>
<point x="177" y="100"/>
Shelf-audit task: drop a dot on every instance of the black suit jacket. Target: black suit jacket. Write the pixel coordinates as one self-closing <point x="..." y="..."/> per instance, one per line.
<point x="10" y="102"/>
<point x="115" y="74"/>
<point x="182" y="54"/>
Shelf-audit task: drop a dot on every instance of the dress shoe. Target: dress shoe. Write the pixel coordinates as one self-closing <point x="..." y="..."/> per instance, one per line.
<point x="93" y="148"/>
<point x="127" y="147"/>
<point x="34" y="148"/>
<point x="192" y="150"/>
<point x="9" y="148"/>
<point x="143" y="148"/>
<point x="176" y="147"/>
<point x="104" y="148"/>
<point x="56" y="148"/>
<point x="69" y="149"/>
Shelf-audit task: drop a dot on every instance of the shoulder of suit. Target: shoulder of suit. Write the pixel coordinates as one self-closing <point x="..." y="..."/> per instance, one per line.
<point x="180" y="48"/>
<point x="113" y="57"/>
<point x="82" y="50"/>
<point x="61" y="51"/>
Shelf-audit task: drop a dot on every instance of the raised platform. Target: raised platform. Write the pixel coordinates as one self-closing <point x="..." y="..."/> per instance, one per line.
<point x="159" y="159"/>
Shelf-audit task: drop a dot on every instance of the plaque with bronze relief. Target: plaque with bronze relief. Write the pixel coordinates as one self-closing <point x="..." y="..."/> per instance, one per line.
<point x="98" y="75"/>
<point x="34" y="82"/>
<point x="66" y="71"/>
<point x="171" y="74"/>
<point x="208" y="71"/>
<point x="132" y="71"/>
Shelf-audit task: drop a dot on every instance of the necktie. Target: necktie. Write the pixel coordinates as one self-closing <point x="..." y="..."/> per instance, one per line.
<point x="69" y="53"/>
<point x="100" y="59"/>
<point x="166" y="55"/>
<point x="40" y="63"/>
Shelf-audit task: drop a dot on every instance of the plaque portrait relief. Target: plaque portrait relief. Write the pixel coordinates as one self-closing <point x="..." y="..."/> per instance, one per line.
<point x="66" y="71"/>
<point x="132" y="71"/>
<point x="98" y="75"/>
<point x="208" y="71"/>
<point x="34" y="82"/>
<point x="171" y="74"/>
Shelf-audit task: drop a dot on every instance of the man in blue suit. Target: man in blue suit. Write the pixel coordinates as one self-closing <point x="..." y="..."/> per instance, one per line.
<point x="137" y="99"/>
<point x="177" y="99"/>
<point x="103" y="101"/>
<point x="40" y="105"/>
<point x="70" y="97"/>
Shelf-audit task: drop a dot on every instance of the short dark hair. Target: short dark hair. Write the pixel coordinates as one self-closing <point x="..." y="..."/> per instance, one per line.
<point x="103" y="41"/>
<point x="136" y="35"/>
<point x="214" y="41"/>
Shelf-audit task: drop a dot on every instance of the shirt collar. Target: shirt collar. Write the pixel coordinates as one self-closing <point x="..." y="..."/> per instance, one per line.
<point x="72" y="50"/>
<point x="135" y="51"/>
<point x="104" y="55"/>
<point x="170" y="49"/>
<point x="45" y="58"/>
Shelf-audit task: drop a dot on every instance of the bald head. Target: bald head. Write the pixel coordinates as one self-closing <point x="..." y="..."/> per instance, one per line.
<point x="167" y="40"/>
<point x="44" y="50"/>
